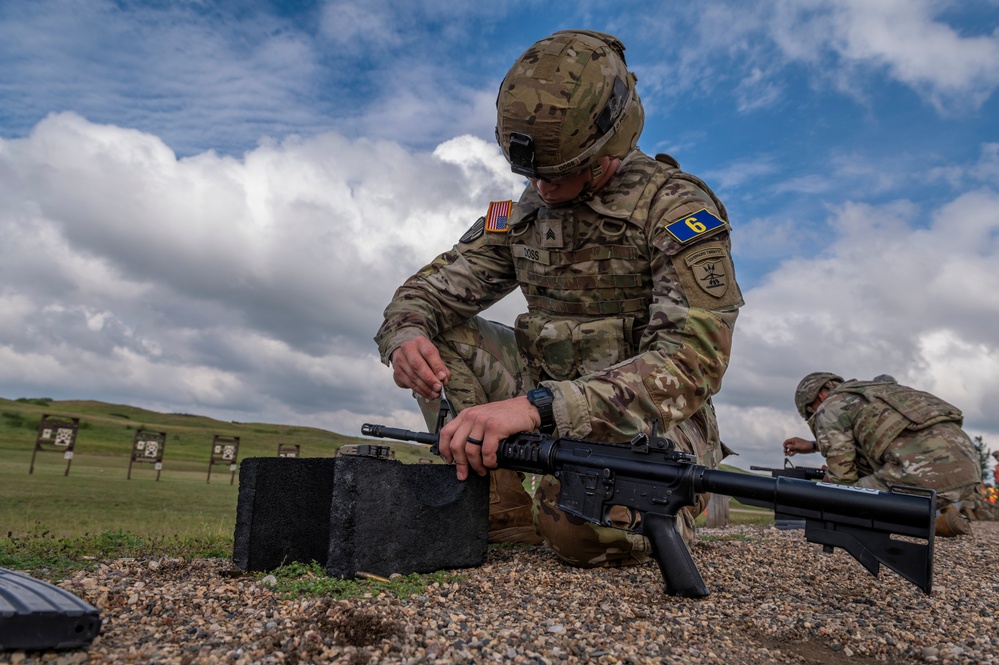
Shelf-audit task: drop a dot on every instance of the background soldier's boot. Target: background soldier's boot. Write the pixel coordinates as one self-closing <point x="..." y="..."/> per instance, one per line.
<point x="510" y="519"/>
<point x="950" y="523"/>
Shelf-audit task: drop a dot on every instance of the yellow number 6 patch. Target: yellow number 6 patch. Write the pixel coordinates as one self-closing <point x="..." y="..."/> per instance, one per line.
<point x="688" y="228"/>
<point x="695" y="225"/>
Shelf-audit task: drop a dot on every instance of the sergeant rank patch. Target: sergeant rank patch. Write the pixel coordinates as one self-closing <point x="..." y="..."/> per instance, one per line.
<point x="693" y="226"/>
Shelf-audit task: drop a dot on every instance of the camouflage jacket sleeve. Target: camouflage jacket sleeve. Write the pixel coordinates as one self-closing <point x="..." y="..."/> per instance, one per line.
<point x="452" y="288"/>
<point x="684" y="350"/>
<point x="833" y="428"/>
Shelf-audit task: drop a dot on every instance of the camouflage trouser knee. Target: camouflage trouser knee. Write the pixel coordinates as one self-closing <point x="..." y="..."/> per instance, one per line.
<point x="581" y="543"/>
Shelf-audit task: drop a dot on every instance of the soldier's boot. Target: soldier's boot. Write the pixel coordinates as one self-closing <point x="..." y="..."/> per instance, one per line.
<point x="970" y="512"/>
<point x="700" y="504"/>
<point x="580" y="543"/>
<point x="951" y="523"/>
<point x="510" y="518"/>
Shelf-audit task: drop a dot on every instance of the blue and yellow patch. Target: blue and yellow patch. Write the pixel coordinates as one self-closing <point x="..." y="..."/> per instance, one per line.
<point x="694" y="226"/>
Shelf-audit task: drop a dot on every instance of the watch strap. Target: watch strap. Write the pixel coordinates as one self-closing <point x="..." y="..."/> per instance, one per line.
<point x="542" y="399"/>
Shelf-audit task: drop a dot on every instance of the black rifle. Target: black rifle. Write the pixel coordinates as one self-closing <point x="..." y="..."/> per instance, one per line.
<point x="651" y="477"/>
<point x="782" y="520"/>
<point x="792" y="471"/>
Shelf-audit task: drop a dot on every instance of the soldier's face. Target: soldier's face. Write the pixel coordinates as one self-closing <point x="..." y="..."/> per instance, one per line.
<point x="562" y="189"/>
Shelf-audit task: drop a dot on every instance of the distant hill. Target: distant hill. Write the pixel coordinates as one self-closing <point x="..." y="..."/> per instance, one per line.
<point x="109" y="429"/>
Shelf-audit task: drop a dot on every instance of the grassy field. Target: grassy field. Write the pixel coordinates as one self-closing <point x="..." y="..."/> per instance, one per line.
<point x="97" y="495"/>
<point x="52" y="520"/>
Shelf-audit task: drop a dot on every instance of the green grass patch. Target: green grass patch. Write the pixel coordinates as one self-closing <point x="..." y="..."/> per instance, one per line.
<point x="97" y="497"/>
<point x="740" y="513"/>
<point x="298" y="579"/>
<point x="44" y="554"/>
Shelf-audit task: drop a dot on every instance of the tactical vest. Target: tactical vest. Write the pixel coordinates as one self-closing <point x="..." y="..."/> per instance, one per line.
<point x="586" y="271"/>
<point x="892" y="408"/>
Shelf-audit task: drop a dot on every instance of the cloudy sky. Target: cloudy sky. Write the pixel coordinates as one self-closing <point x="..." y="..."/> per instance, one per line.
<point x="205" y="206"/>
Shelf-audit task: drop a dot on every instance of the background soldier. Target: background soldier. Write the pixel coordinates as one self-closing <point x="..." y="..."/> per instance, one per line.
<point x="879" y="433"/>
<point x="625" y="264"/>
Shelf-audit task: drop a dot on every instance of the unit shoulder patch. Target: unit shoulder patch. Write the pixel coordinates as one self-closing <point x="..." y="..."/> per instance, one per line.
<point x="708" y="276"/>
<point x="694" y="226"/>
<point x="475" y="231"/>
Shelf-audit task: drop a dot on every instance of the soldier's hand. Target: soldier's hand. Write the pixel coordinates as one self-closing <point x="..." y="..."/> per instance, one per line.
<point x="417" y="365"/>
<point x="796" y="445"/>
<point x="472" y="439"/>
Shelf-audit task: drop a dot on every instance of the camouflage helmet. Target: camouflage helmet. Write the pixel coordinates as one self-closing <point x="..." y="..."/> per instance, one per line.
<point x="567" y="101"/>
<point x="808" y="390"/>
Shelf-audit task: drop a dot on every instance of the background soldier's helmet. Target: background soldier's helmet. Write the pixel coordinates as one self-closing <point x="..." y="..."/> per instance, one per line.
<point x="809" y="389"/>
<point x="567" y="101"/>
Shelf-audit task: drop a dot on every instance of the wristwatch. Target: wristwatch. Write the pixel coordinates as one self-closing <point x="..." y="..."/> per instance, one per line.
<point x="542" y="399"/>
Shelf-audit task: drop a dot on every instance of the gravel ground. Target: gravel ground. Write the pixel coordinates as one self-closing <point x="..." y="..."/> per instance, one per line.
<point x="775" y="598"/>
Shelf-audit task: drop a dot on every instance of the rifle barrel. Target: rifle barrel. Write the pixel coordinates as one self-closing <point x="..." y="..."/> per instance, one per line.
<point x="792" y="496"/>
<point x="383" y="432"/>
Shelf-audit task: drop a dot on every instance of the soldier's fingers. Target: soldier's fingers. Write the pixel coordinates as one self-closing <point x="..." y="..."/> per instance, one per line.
<point x="451" y="444"/>
<point x="402" y="375"/>
<point x="428" y="364"/>
<point x="490" y="447"/>
<point x="406" y="373"/>
<point x="407" y="379"/>
<point x="473" y="453"/>
<point x="459" y="458"/>
<point x="434" y="361"/>
<point x="402" y="369"/>
<point x="444" y="445"/>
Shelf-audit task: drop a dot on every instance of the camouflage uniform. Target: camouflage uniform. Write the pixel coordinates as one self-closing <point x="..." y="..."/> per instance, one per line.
<point x="632" y="301"/>
<point x="878" y="433"/>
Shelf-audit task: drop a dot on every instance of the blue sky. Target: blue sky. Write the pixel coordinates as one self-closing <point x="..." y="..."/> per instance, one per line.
<point x="205" y="206"/>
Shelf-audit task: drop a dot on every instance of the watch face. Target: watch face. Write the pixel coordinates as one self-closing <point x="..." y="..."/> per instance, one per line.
<point x="540" y="395"/>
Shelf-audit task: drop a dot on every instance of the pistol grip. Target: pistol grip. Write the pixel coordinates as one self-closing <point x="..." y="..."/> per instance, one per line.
<point x="675" y="563"/>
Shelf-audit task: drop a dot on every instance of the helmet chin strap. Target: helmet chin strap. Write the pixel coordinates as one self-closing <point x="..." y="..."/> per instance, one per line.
<point x="596" y="176"/>
<point x="596" y="171"/>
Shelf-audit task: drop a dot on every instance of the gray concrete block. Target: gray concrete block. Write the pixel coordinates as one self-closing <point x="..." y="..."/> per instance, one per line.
<point x="387" y="517"/>
<point x="282" y="511"/>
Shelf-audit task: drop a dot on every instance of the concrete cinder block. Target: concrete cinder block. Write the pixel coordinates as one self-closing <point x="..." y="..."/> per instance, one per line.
<point x="387" y="517"/>
<point x="282" y="512"/>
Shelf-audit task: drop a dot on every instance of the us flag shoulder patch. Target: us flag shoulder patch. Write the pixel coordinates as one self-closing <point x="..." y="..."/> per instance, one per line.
<point x="496" y="218"/>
